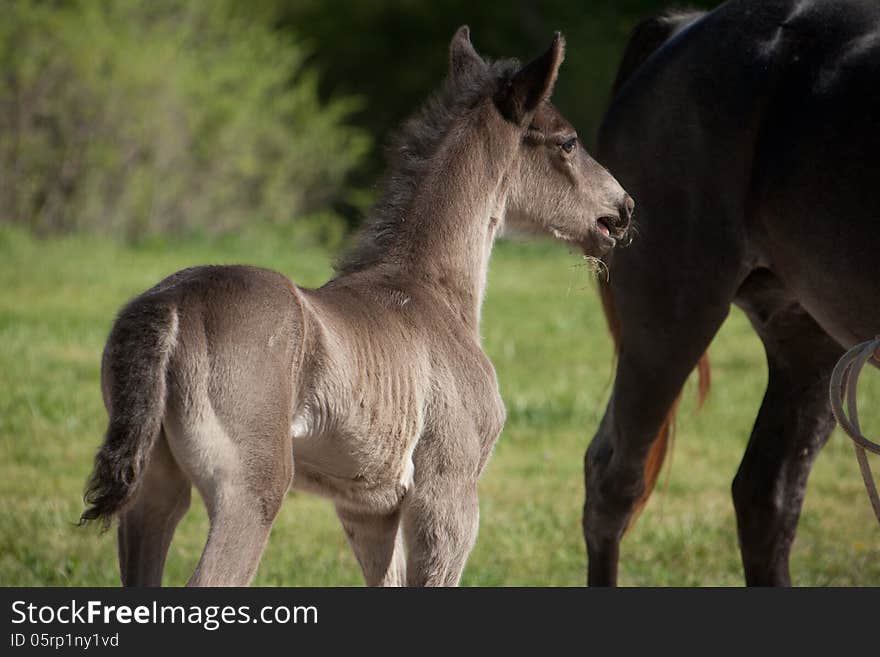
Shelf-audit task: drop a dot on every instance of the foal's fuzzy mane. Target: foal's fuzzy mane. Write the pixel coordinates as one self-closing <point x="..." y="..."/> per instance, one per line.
<point x="410" y="154"/>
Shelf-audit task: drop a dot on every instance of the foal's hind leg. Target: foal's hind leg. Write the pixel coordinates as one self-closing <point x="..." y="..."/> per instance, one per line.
<point x="243" y="483"/>
<point x="147" y="526"/>
<point x="793" y="424"/>
<point x="241" y="509"/>
<point x="377" y="543"/>
<point x="240" y="523"/>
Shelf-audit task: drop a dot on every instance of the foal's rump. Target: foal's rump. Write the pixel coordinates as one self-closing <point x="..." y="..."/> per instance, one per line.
<point x="209" y="354"/>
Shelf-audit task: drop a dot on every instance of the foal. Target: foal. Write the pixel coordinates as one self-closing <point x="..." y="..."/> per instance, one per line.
<point x="372" y="390"/>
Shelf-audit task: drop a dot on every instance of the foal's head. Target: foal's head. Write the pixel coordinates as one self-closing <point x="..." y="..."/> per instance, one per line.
<point x="553" y="185"/>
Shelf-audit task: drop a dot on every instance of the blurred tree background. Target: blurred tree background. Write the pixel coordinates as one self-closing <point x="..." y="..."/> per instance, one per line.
<point x="143" y="117"/>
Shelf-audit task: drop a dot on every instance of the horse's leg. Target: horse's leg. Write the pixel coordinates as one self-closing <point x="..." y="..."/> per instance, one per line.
<point x="241" y="519"/>
<point x="441" y="529"/>
<point x="664" y="330"/>
<point x="147" y="526"/>
<point x="614" y="465"/>
<point x="243" y="483"/>
<point x="377" y="543"/>
<point x="793" y="424"/>
<point x="441" y="515"/>
<point x="241" y="509"/>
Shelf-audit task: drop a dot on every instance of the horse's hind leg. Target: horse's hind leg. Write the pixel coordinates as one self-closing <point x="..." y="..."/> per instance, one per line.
<point x="242" y="506"/>
<point x="377" y="543"/>
<point x="793" y="424"/>
<point x="147" y="526"/>
<point x="240" y="525"/>
<point x="664" y="332"/>
<point x="243" y="482"/>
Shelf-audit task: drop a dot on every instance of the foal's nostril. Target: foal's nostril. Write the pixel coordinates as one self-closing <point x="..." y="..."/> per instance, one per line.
<point x="622" y="221"/>
<point x="626" y="209"/>
<point x="618" y="225"/>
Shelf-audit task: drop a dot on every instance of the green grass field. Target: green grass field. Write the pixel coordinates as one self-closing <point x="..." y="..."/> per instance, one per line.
<point x="546" y="335"/>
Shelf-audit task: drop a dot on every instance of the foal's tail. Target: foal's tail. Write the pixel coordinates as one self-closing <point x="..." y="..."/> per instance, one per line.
<point x="663" y="439"/>
<point x="134" y="372"/>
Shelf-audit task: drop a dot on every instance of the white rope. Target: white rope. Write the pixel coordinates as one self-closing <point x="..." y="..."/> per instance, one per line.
<point x="844" y="383"/>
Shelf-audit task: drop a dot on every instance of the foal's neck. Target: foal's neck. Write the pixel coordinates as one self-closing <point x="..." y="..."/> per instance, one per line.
<point x="450" y="225"/>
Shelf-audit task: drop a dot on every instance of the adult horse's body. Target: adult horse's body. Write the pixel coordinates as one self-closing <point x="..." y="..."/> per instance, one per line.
<point x="750" y="138"/>
<point x="372" y="390"/>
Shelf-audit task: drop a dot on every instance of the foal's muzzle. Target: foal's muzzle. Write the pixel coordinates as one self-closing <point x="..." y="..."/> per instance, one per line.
<point x="619" y="225"/>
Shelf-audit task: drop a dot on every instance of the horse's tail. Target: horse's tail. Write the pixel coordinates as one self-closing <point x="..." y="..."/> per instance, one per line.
<point x="664" y="438"/>
<point x="134" y="381"/>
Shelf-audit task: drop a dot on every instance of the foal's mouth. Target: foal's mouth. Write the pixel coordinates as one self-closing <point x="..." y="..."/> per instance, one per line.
<point x="603" y="236"/>
<point x="613" y="227"/>
<point x="613" y="231"/>
<point x="604" y="225"/>
<point x="585" y="242"/>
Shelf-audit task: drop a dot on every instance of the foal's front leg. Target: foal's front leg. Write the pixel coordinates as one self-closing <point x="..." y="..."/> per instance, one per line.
<point x="441" y="516"/>
<point x="377" y="543"/>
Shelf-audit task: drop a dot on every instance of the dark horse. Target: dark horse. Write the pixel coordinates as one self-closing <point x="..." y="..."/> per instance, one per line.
<point x="750" y="138"/>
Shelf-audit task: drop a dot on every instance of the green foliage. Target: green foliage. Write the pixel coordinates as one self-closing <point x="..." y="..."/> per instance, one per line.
<point x="131" y="118"/>
<point x="134" y="117"/>
<point x="544" y="331"/>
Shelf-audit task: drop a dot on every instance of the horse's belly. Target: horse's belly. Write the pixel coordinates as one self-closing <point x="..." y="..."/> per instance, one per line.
<point x="362" y="470"/>
<point x="841" y="295"/>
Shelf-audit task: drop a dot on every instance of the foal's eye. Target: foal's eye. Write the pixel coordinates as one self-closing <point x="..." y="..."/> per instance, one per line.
<point x="568" y="146"/>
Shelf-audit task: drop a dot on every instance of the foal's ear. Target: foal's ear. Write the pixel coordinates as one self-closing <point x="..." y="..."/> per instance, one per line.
<point x="463" y="59"/>
<point x="532" y="84"/>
